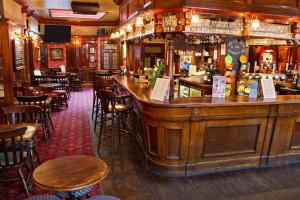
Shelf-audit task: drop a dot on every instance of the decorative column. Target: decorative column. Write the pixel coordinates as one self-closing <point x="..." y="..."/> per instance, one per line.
<point x="169" y="67"/>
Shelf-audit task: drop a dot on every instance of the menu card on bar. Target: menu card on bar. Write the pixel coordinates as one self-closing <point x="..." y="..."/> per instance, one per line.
<point x="161" y="89"/>
<point x="268" y="88"/>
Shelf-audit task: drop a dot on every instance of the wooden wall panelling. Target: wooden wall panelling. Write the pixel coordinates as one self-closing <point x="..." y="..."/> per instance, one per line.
<point x="269" y="134"/>
<point x="231" y="5"/>
<point x="31" y="58"/>
<point x="283" y="149"/>
<point x="233" y="141"/>
<point x="168" y="4"/>
<point x="44" y="56"/>
<point x="123" y="13"/>
<point x="7" y="64"/>
<point x="133" y="7"/>
<point x="168" y="142"/>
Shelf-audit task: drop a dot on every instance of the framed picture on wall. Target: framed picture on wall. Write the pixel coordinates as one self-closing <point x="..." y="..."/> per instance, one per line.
<point x="92" y="50"/>
<point x="92" y="58"/>
<point x="56" y="54"/>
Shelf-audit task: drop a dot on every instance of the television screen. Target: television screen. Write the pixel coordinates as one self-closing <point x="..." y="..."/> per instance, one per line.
<point x="56" y="33"/>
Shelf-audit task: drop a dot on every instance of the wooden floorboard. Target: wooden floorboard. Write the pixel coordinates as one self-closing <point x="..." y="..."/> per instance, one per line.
<point x="135" y="182"/>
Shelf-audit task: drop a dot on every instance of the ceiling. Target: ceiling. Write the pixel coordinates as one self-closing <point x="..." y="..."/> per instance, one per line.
<point x="43" y="6"/>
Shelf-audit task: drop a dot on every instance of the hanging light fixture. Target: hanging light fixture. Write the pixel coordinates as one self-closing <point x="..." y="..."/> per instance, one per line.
<point x="139" y="22"/>
<point x="122" y="32"/>
<point x="255" y="24"/>
<point x="129" y="28"/>
<point x="195" y="19"/>
<point x="112" y="36"/>
<point x="117" y="34"/>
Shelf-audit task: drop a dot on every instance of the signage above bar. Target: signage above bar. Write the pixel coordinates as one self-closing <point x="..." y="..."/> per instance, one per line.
<point x="192" y="23"/>
<point x="208" y="26"/>
<point x="270" y="30"/>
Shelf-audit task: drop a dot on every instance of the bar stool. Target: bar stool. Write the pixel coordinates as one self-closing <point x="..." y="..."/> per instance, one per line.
<point x="100" y="84"/>
<point x="114" y="111"/>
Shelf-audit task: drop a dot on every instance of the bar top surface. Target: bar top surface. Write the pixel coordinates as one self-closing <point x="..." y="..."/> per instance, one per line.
<point x="142" y="92"/>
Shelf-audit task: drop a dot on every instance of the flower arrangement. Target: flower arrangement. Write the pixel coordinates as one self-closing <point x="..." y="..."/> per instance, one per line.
<point x="154" y="73"/>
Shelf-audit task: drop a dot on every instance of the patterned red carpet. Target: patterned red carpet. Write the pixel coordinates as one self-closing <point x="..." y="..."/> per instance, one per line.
<point x="71" y="137"/>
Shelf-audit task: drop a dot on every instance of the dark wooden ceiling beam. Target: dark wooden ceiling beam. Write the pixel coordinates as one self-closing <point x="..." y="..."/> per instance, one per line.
<point x="118" y="2"/>
<point x="80" y="23"/>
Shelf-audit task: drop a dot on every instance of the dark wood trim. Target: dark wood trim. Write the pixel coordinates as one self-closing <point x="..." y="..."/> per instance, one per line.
<point x="81" y="23"/>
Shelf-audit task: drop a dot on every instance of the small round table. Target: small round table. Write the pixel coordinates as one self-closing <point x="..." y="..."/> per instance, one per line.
<point x="69" y="173"/>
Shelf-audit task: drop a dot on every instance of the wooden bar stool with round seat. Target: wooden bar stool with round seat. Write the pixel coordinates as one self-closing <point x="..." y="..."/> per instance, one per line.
<point x="100" y="84"/>
<point x="113" y="126"/>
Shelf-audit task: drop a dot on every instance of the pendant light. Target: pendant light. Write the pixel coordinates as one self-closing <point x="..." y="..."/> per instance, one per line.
<point x="122" y="32"/>
<point x="139" y="22"/>
<point x="129" y="28"/>
<point x="195" y="19"/>
<point x="255" y="24"/>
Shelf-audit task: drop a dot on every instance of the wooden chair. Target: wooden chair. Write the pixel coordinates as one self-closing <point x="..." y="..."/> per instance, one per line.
<point x="19" y="91"/>
<point x="64" y="82"/>
<point x="62" y="95"/>
<point x="114" y="109"/>
<point x="18" y="114"/>
<point x="36" y="80"/>
<point x="12" y="154"/>
<point x="100" y="84"/>
<point x="75" y="82"/>
<point x="44" y="103"/>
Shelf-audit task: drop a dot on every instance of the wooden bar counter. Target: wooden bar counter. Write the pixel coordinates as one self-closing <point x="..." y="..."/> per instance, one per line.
<point x="189" y="136"/>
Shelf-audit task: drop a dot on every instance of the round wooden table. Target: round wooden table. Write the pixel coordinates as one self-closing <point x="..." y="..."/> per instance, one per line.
<point x="69" y="173"/>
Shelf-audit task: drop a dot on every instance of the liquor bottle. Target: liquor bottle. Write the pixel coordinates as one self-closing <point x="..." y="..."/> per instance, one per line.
<point x="205" y="77"/>
<point x="216" y="70"/>
<point x="208" y="75"/>
<point x="295" y="80"/>
<point x="256" y="67"/>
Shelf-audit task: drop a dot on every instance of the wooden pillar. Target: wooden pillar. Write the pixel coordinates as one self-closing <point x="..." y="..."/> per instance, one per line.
<point x="7" y="70"/>
<point x="169" y="67"/>
<point x="295" y="53"/>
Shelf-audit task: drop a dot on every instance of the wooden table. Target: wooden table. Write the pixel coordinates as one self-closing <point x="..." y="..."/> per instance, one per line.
<point x="69" y="173"/>
<point x="29" y="133"/>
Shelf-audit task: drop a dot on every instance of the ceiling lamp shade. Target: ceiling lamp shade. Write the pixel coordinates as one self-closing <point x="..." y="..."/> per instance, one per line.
<point x="117" y="34"/>
<point x="195" y="19"/>
<point x="112" y="36"/>
<point x="139" y="22"/>
<point x="122" y="32"/>
<point x="255" y="24"/>
<point x="129" y="28"/>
